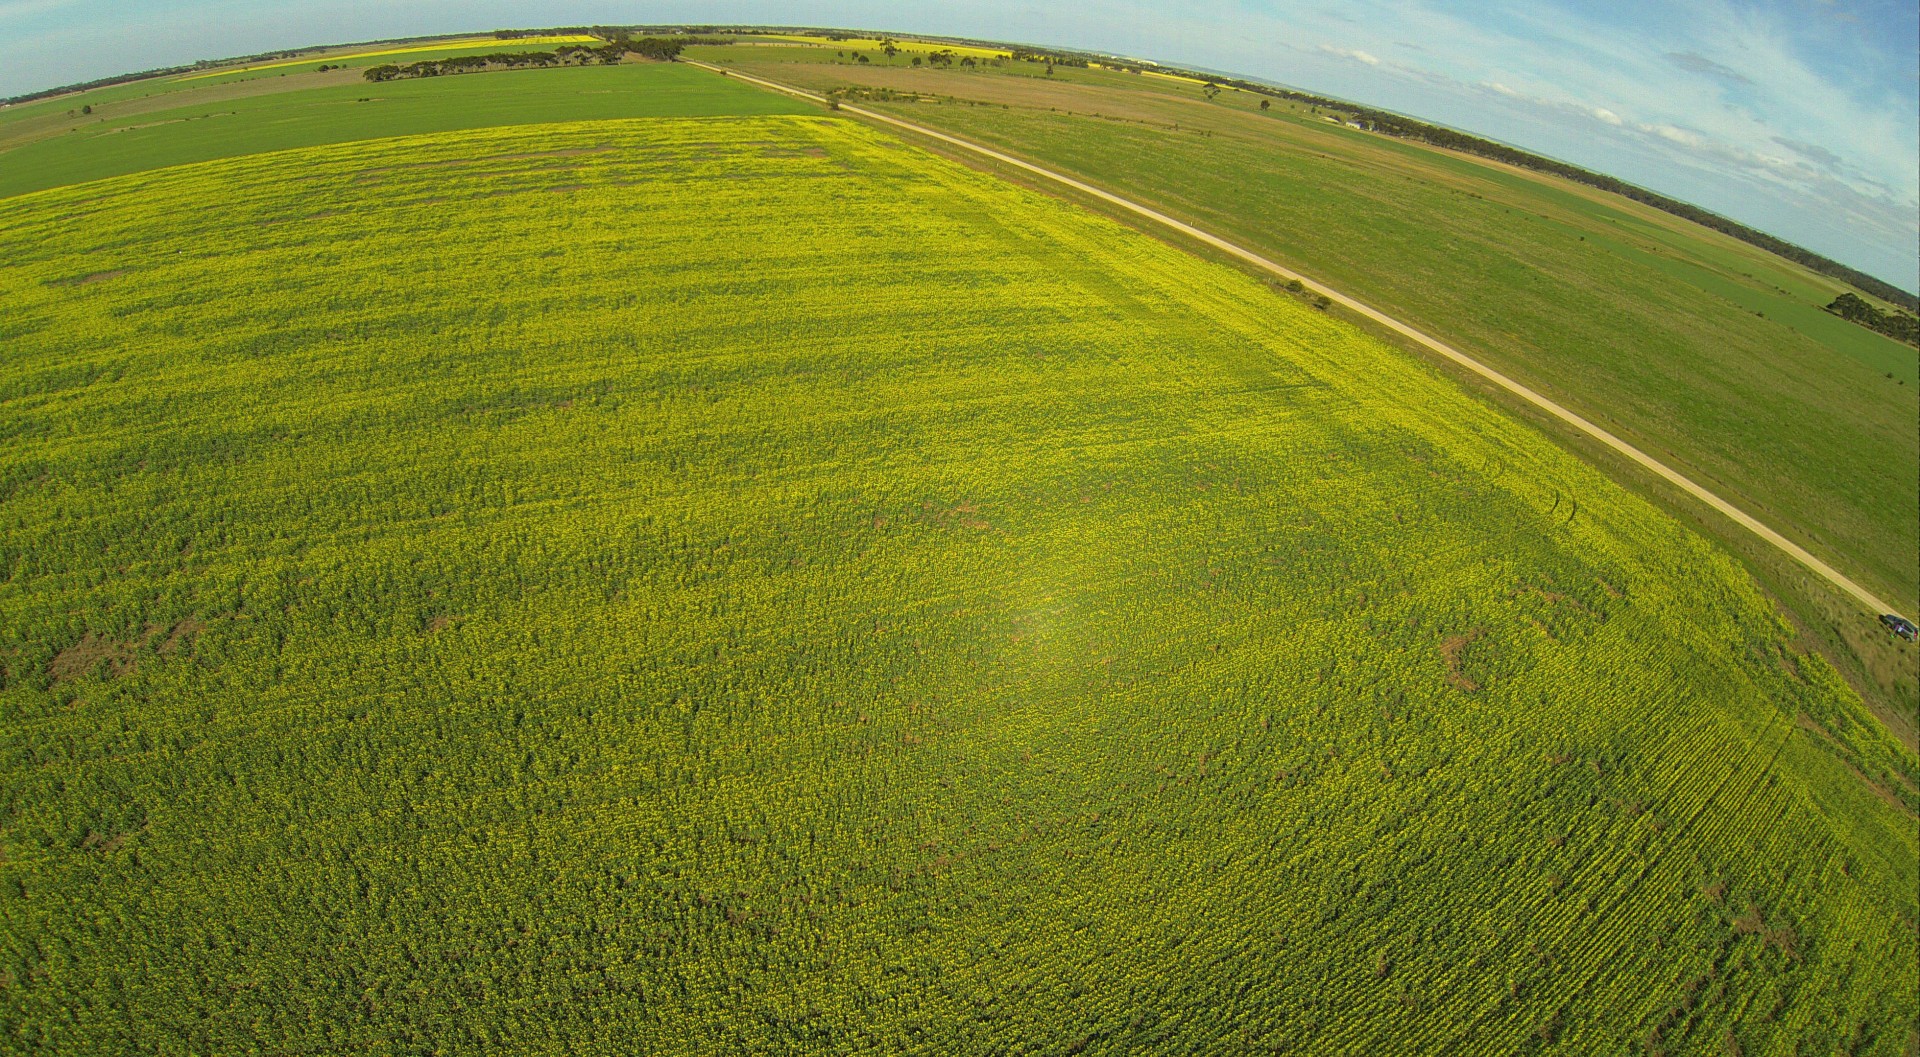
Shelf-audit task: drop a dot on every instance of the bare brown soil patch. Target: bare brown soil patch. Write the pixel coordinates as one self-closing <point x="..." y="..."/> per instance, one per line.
<point x="371" y="175"/>
<point x="322" y="215"/>
<point x="105" y="845"/>
<point x="1450" y="652"/>
<point x="89" y="279"/>
<point x="121" y="658"/>
<point x="87" y="654"/>
<point x="180" y="637"/>
<point x="965" y="514"/>
<point x="1790" y="664"/>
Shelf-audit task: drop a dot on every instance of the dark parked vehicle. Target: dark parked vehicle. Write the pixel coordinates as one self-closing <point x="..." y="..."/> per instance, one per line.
<point x="1900" y="626"/>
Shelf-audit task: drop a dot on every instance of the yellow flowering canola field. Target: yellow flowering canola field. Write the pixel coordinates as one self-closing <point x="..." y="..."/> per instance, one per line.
<point x="749" y="586"/>
<point x="910" y="45"/>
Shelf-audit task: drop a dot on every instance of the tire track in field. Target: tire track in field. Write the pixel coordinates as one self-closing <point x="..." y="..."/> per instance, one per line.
<point x="1672" y="476"/>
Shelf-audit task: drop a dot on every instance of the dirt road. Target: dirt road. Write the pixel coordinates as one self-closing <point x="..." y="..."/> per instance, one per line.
<point x="1739" y="516"/>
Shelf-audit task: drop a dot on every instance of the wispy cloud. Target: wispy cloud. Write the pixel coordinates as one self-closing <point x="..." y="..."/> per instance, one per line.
<point x="1813" y="152"/>
<point x="1693" y="62"/>
<point x="1351" y="53"/>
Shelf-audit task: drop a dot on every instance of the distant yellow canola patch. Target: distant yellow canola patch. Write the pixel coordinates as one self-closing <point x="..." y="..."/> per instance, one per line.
<point x="445" y="45"/>
<point x="910" y="44"/>
<point x="1174" y="77"/>
<point x="874" y="43"/>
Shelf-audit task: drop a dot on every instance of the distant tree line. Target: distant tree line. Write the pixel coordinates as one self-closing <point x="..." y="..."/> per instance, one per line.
<point x="661" y="49"/>
<point x="476" y="63"/>
<point x="1896" y="325"/>
<point x="1052" y="58"/>
<point x="552" y="31"/>
<point x="944" y="58"/>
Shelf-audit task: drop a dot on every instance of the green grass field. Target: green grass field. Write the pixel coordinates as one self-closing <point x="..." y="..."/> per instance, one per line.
<point x="743" y="585"/>
<point x="110" y="144"/>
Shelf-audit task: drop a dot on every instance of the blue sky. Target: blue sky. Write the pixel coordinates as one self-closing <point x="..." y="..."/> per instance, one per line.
<point x="1801" y="117"/>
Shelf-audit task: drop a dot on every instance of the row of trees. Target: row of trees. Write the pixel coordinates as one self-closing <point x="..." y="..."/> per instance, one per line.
<point x="557" y="31"/>
<point x="1896" y="325"/>
<point x="1051" y="58"/>
<point x="477" y="63"/>
<point x="945" y="58"/>
<point x="658" y="49"/>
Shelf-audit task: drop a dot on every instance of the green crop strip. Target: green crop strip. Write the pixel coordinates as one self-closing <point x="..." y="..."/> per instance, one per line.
<point x="218" y="121"/>
<point x="720" y="586"/>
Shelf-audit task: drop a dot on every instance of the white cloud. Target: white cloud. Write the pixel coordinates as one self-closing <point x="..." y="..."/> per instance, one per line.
<point x="1675" y="134"/>
<point x="1355" y="55"/>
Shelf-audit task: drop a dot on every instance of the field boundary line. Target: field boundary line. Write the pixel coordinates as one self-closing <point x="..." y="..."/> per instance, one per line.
<point x="1513" y="386"/>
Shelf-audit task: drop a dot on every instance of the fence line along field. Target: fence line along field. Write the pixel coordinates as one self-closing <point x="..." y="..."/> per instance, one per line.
<point x="747" y="586"/>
